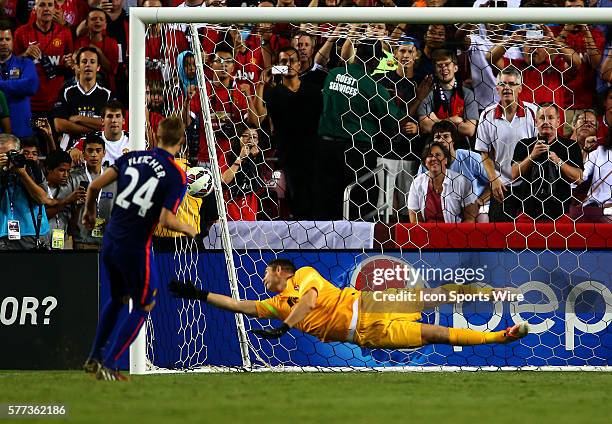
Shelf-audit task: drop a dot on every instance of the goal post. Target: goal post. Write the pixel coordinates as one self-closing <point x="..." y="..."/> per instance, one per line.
<point x="238" y="240"/>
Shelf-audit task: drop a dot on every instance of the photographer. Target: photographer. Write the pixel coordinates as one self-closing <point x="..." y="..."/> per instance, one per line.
<point x="547" y="165"/>
<point x="23" y="197"/>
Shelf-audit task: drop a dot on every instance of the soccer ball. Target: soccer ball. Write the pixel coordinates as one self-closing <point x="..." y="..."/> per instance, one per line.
<point x="199" y="182"/>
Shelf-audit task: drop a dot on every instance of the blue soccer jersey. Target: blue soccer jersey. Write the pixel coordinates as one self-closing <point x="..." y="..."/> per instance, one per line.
<point x="147" y="182"/>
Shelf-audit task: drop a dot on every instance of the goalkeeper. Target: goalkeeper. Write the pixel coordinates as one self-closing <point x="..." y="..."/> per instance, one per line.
<point x="313" y="305"/>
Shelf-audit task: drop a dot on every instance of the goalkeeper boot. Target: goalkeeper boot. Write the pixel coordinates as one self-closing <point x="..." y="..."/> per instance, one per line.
<point x="107" y="374"/>
<point x="516" y="332"/>
<point x="92" y="366"/>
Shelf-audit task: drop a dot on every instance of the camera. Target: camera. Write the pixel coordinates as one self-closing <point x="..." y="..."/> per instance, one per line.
<point x="47" y="66"/>
<point x="17" y="159"/>
<point x="39" y="122"/>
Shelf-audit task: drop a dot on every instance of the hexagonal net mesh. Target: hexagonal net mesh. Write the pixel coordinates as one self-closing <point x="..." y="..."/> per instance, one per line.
<point x="445" y="162"/>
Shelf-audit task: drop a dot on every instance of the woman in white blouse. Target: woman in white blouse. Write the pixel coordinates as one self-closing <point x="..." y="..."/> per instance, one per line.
<point x="440" y="194"/>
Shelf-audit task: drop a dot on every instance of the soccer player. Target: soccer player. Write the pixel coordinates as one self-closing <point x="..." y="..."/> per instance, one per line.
<point x="150" y="187"/>
<point x="312" y="304"/>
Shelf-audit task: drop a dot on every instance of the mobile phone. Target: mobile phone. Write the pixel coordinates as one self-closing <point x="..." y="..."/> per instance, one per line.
<point x="280" y="70"/>
<point x="534" y="34"/>
<point x="84" y="185"/>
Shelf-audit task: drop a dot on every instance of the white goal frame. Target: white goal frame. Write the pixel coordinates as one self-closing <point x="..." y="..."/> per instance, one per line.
<point x="139" y="17"/>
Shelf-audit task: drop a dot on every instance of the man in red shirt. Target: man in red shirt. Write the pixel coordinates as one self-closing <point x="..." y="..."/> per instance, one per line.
<point x="108" y="49"/>
<point x="45" y="42"/>
<point x="589" y="43"/>
<point x="229" y="106"/>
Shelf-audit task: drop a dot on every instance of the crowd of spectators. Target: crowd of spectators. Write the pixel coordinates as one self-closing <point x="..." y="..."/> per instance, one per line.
<point x="423" y="123"/>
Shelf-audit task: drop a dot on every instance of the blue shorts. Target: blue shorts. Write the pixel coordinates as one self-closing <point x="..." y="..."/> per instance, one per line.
<point x="130" y="272"/>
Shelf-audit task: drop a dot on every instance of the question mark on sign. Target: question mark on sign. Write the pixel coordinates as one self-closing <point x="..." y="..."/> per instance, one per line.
<point x="52" y="303"/>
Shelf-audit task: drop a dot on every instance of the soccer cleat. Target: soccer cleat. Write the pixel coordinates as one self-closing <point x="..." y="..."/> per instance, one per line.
<point x="106" y="374"/>
<point x="92" y="366"/>
<point x="516" y="332"/>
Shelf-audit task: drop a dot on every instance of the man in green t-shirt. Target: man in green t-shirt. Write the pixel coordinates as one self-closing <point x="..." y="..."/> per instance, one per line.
<point x="358" y="115"/>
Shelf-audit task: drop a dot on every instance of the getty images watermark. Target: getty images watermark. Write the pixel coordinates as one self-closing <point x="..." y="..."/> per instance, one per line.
<point x="461" y="277"/>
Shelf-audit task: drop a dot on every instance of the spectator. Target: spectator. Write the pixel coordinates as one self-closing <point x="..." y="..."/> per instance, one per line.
<point x="5" y="115"/>
<point x="598" y="168"/>
<point x="116" y="140"/>
<point x="501" y="126"/>
<point x="589" y="43"/>
<point x="462" y="161"/>
<point x="435" y="38"/>
<point x="440" y="195"/>
<point x="606" y="117"/>
<point x="585" y="131"/>
<point x="118" y="28"/>
<point x="69" y="12"/>
<point x="294" y="107"/>
<point x="23" y="221"/>
<point x="80" y="105"/>
<point x="310" y="70"/>
<point x="448" y="99"/>
<point x="162" y="46"/>
<point x="357" y="115"/>
<point x="545" y="70"/>
<point x="153" y="117"/>
<point x="478" y="40"/>
<point x="249" y="57"/>
<point x="401" y="155"/>
<point x="105" y="45"/>
<point x="58" y="164"/>
<point x="242" y="176"/>
<point x="546" y="165"/>
<point x="229" y="105"/>
<point x="93" y="153"/>
<point x="30" y="150"/>
<point x="18" y="82"/>
<point x="47" y="43"/>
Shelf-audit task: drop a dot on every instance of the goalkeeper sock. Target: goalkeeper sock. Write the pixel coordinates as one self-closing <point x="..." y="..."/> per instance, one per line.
<point x="467" y="289"/>
<point x="108" y="320"/>
<point x="466" y="337"/>
<point x="125" y="336"/>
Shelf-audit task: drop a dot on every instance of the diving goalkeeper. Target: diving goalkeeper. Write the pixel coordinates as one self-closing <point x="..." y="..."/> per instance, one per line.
<point x="313" y="305"/>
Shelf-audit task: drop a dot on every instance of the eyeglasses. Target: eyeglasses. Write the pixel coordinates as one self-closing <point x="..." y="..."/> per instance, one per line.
<point x="509" y="84"/>
<point x="444" y="64"/>
<point x="222" y="60"/>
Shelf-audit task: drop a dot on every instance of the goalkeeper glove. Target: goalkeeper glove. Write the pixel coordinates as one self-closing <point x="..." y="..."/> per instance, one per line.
<point x="273" y="333"/>
<point x="187" y="290"/>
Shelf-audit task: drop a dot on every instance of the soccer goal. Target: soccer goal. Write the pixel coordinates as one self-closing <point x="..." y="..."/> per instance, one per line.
<point x="218" y="67"/>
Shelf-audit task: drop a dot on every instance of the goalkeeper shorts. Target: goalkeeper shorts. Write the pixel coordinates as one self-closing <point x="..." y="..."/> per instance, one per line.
<point x="381" y="325"/>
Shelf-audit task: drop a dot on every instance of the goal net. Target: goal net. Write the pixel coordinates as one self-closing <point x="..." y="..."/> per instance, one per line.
<point x="367" y="151"/>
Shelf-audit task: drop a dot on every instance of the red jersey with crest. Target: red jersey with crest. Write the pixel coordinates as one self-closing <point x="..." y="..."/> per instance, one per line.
<point x="249" y="63"/>
<point x="228" y="105"/>
<point x="54" y="44"/>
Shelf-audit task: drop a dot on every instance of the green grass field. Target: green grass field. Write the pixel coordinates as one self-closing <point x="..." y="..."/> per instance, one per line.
<point x="468" y="397"/>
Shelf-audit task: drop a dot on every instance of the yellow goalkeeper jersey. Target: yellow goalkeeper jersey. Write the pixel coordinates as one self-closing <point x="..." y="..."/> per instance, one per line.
<point x="330" y="319"/>
<point x="188" y="212"/>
